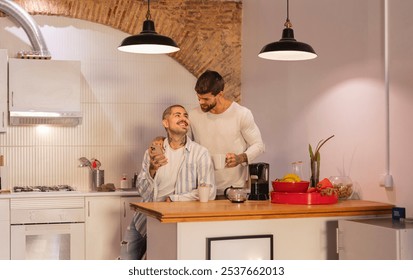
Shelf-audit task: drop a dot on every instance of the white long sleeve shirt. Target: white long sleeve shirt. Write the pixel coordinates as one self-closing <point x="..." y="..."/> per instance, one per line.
<point x="233" y="131"/>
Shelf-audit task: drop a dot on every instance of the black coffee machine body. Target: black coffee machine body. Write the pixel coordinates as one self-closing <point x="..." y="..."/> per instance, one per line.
<point x="259" y="181"/>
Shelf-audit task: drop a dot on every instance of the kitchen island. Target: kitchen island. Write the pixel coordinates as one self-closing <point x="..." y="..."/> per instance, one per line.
<point x="188" y="230"/>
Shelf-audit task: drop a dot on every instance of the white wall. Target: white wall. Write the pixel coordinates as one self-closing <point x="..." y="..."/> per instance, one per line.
<point x="123" y="97"/>
<point x="341" y="92"/>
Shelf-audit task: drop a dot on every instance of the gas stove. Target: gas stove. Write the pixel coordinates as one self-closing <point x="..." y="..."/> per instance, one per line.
<point x="43" y="189"/>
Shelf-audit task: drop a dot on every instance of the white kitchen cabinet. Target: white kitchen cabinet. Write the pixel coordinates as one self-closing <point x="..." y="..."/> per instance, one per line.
<point x="126" y="212"/>
<point x="44" y="92"/>
<point x="374" y="239"/>
<point x="4" y="229"/>
<point x="102" y="227"/>
<point x="44" y="85"/>
<point x="3" y="90"/>
<point x="106" y="220"/>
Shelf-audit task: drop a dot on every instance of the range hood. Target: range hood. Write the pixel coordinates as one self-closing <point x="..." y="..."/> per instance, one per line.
<point x="41" y="90"/>
<point x="44" y="92"/>
<point x="45" y="118"/>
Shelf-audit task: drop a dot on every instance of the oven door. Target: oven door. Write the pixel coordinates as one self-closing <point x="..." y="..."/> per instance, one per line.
<point x="48" y="242"/>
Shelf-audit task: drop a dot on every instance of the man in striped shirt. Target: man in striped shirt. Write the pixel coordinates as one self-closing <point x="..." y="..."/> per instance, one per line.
<point x="171" y="171"/>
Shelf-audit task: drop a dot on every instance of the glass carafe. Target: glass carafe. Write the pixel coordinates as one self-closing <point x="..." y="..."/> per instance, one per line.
<point x="297" y="169"/>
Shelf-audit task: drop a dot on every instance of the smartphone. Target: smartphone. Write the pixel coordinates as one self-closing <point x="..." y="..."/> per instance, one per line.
<point x="156" y="150"/>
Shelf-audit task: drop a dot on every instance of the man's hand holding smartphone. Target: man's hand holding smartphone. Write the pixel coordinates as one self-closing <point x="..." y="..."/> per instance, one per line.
<point x="156" y="155"/>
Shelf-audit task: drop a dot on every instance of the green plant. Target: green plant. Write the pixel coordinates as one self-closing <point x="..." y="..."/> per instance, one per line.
<point x="315" y="162"/>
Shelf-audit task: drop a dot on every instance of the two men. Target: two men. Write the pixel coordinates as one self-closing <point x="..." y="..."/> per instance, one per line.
<point x="174" y="167"/>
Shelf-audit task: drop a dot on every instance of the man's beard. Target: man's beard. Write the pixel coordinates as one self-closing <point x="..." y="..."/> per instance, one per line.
<point x="208" y="107"/>
<point x="178" y="131"/>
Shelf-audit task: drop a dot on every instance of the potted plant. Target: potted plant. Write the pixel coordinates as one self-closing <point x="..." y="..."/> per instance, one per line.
<point x="315" y="162"/>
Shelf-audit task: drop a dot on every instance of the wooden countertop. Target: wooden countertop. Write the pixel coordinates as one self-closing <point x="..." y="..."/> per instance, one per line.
<point x="224" y="210"/>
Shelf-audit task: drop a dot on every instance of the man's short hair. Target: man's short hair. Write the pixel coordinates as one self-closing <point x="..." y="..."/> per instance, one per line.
<point x="210" y="82"/>
<point x="168" y="110"/>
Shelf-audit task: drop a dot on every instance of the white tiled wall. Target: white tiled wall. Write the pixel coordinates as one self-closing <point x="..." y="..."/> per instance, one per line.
<point x="123" y="97"/>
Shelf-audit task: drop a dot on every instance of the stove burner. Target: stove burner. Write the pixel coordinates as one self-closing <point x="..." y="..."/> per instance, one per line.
<point x="58" y="188"/>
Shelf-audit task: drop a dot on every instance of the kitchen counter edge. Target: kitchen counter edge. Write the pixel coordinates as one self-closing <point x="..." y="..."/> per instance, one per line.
<point x="221" y="210"/>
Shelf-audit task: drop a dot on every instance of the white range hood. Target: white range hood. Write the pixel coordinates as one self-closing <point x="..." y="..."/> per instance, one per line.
<point x="41" y="91"/>
<point x="45" y="118"/>
<point x="44" y="92"/>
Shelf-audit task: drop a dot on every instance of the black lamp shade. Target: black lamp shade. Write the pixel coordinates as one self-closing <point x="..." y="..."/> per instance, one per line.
<point x="287" y="48"/>
<point x="148" y="41"/>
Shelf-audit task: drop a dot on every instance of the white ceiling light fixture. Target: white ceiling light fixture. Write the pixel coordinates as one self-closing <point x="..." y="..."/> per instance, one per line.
<point x="148" y="41"/>
<point x="287" y="48"/>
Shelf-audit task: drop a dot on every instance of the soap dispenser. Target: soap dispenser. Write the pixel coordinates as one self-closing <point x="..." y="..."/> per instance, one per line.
<point x="124" y="182"/>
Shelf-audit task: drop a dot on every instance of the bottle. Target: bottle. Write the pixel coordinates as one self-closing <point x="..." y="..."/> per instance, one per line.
<point x="135" y="177"/>
<point x="124" y="182"/>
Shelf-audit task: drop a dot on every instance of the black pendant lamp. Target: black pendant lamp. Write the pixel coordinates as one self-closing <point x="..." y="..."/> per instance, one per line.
<point x="148" y="41"/>
<point x="287" y="48"/>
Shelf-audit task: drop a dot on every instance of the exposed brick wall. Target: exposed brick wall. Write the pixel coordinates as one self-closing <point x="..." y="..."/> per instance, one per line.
<point x="207" y="31"/>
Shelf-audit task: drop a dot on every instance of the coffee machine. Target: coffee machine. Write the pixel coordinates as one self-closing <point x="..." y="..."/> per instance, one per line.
<point x="259" y="181"/>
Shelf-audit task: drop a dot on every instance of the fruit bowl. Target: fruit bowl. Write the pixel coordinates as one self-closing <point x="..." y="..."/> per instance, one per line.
<point x="293" y="187"/>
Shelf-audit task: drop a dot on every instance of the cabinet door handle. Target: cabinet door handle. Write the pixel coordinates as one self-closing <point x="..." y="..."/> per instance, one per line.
<point x="339" y="245"/>
<point x="88" y="208"/>
<point x="12" y="98"/>
<point x="2" y="120"/>
<point x="124" y="209"/>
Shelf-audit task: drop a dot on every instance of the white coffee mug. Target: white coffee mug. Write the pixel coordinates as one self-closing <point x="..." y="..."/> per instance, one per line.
<point x="219" y="161"/>
<point x="203" y="192"/>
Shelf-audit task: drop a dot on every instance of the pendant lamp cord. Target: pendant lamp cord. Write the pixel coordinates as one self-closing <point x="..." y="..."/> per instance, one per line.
<point x="288" y="23"/>
<point x="148" y="13"/>
<point x="288" y="9"/>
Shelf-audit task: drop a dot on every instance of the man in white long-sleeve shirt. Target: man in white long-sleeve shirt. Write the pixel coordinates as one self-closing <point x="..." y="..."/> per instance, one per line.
<point x="225" y="127"/>
<point x="172" y="169"/>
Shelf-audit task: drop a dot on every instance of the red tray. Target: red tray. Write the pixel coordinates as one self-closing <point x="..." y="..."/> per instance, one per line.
<point x="302" y="198"/>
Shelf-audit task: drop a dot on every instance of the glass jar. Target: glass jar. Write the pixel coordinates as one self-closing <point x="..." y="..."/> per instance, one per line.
<point x="343" y="186"/>
<point x="297" y="169"/>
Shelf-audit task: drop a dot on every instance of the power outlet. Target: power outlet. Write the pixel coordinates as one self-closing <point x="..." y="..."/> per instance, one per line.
<point x="386" y="180"/>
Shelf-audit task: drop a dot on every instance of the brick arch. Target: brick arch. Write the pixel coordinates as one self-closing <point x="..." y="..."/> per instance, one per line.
<point x="207" y="31"/>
